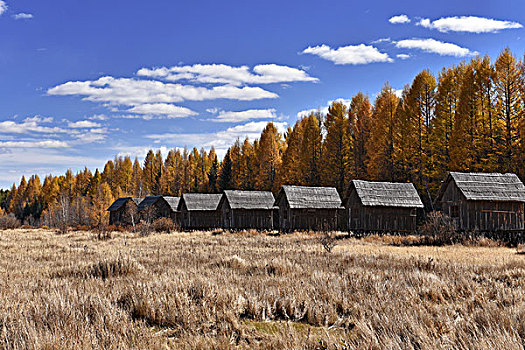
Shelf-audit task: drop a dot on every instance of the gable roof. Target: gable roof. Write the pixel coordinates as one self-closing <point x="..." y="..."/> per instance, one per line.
<point x="148" y="202"/>
<point x="249" y="199"/>
<point x="200" y="201"/>
<point x="486" y="186"/>
<point x="303" y="197"/>
<point x="173" y="202"/>
<point x="120" y="202"/>
<point x="387" y="194"/>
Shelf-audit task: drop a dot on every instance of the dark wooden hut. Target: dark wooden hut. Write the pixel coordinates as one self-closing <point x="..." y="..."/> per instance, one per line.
<point x="124" y="212"/>
<point x="154" y="207"/>
<point x="487" y="202"/>
<point x="198" y="211"/>
<point x="308" y="208"/>
<point x="246" y="210"/>
<point x="382" y="206"/>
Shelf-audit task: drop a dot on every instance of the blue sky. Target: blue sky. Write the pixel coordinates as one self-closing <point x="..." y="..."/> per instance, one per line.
<point x="83" y="81"/>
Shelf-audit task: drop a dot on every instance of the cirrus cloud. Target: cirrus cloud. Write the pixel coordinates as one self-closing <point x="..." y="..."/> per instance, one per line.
<point x="435" y="46"/>
<point x="470" y="24"/>
<point x="132" y="92"/>
<point x="351" y="54"/>
<point x="82" y="124"/>
<point x="33" y="144"/>
<point x="242" y="116"/>
<point x="224" y="74"/>
<point x="164" y="109"/>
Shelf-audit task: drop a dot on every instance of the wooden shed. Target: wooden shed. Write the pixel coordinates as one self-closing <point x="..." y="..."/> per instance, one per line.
<point x="487" y="202"/>
<point x="154" y="207"/>
<point x="247" y="210"/>
<point x="198" y="211"/>
<point x="124" y="212"/>
<point x="382" y="206"/>
<point x="308" y="208"/>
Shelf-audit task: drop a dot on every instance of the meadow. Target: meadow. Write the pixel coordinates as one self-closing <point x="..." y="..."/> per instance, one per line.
<point x="205" y="290"/>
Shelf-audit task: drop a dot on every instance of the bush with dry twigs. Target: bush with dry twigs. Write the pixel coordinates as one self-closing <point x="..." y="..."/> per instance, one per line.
<point x="9" y="221"/>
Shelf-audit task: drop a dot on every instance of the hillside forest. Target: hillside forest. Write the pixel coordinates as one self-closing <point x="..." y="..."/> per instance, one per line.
<point x="467" y="117"/>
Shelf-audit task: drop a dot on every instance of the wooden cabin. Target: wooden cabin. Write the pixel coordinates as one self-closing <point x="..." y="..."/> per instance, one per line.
<point x="487" y="202"/>
<point x="124" y="212"/>
<point x="198" y="211"/>
<point x="382" y="206"/>
<point x="242" y="210"/>
<point x="308" y="208"/>
<point x="154" y="207"/>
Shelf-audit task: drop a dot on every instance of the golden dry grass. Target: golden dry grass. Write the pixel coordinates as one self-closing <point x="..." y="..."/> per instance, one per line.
<point x="202" y="290"/>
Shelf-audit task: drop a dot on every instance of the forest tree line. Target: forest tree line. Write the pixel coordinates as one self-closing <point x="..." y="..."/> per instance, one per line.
<point x="470" y="117"/>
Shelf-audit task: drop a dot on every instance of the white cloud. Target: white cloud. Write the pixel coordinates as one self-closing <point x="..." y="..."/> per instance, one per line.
<point x="470" y="24"/>
<point x="403" y="56"/>
<point x="381" y="40"/>
<point x="29" y="125"/>
<point x="3" y="7"/>
<point x="90" y="137"/>
<point x="324" y="109"/>
<point x="164" y="109"/>
<point x="132" y="92"/>
<point x="399" y="19"/>
<point x="224" y="74"/>
<point x="33" y="144"/>
<point x="23" y="15"/>
<point x="435" y="46"/>
<point x="398" y="92"/>
<point x="242" y="116"/>
<point x="213" y="110"/>
<point x="83" y="124"/>
<point x="351" y="54"/>
<point x="140" y="151"/>
<point x="220" y="140"/>
<point x="100" y="117"/>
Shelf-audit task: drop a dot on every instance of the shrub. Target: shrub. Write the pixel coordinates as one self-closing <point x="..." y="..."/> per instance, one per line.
<point x="144" y="228"/>
<point x="9" y="222"/>
<point x="103" y="233"/>
<point x="115" y="228"/>
<point x="439" y="229"/>
<point x="163" y="225"/>
<point x="328" y="241"/>
<point x="103" y="269"/>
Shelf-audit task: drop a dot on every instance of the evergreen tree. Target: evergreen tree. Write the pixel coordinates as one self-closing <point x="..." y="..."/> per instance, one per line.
<point x="226" y="173"/>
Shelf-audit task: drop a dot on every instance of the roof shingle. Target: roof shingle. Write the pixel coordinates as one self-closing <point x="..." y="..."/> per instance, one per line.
<point x="487" y="186"/>
<point x="120" y="202"/>
<point x="249" y="199"/>
<point x="303" y="197"/>
<point x="387" y="194"/>
<point x="201" y="201"/>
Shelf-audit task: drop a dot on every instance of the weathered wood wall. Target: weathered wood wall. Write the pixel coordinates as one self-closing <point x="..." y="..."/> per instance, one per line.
<point x="242" y="219"/>
<point x="481" y="215"/>
<point x="200" y="219"/>
<point x="126" y="215"/>
<point x="306" y="219"/>
<point x="160" y="209"/>
<point x="387" y="219"/>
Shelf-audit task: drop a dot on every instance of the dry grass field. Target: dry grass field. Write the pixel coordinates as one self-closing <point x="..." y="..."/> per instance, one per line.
<point x="198" y="290"/>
